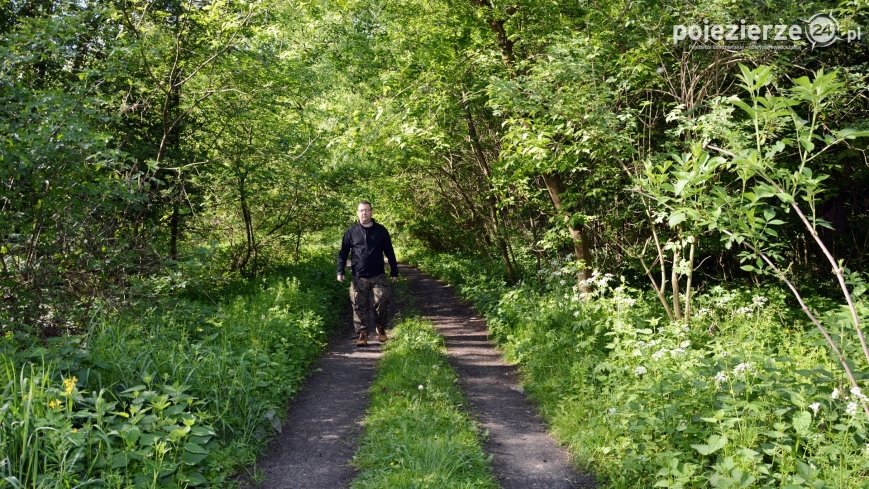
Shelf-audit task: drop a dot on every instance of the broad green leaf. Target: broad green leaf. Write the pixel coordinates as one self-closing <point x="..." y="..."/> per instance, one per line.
<point x="676" y="218"/>
<point x="802" y="421"/>
<point x="712" y="445"/>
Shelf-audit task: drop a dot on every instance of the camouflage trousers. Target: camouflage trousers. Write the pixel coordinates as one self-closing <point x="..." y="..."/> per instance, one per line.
<point x="370" y="298"/>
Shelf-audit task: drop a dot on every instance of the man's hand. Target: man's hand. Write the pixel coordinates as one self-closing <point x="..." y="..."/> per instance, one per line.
<point x="340" y="277"/>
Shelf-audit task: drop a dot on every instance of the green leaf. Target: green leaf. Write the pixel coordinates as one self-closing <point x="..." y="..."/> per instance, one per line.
<point x="712" y="445"/>
<point x="676" y="218"/>
<point x="802" y="422"/>
<point x="195" y="479"/>
<point x="744" y="106"/>
<point x="136" y="388"/>
<point x="192" y="458"/>
<point x="194" y="448"/>
<point x="274" y="420"/>
<point x="849" y="133"/>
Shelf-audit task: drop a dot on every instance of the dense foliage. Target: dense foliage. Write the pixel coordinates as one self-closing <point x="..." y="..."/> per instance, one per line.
<point x="743" y="397"/>
<point x="159" y="150"/>
<point x="181" y="394"/>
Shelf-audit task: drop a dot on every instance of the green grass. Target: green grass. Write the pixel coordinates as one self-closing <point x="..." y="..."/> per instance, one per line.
<point x="417" y="434"/>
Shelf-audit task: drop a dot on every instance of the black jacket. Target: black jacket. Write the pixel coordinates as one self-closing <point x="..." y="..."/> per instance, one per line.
<point x="368" y="246"/>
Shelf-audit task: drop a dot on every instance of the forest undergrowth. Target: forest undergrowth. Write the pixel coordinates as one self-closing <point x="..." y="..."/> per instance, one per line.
<point x="180" y="392"/>
<point x="741" y="394"/>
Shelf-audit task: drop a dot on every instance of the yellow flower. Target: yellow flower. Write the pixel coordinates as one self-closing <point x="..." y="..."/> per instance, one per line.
<point x="69" y="384"/>
<point x="54" y="404"/>
<point x="75" y="430"/>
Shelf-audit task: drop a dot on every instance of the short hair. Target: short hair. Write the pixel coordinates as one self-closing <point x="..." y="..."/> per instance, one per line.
<point x="364" y="202"/>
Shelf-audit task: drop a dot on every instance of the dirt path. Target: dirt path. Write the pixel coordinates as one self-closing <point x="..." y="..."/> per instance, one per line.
<point x="318" y="439"/>
<point x="524" y="455"/>
<point x="320" y="435"/>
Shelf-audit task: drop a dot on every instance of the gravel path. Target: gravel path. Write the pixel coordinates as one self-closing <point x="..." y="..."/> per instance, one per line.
<point x="320" y="435"/>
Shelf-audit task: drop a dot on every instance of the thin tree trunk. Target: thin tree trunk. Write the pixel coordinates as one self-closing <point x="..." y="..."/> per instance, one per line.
<point x="691" y="251"/>
<point x="580" y="244"/>
<point x="174" y="226"/>
<point x="500" y="239"/>
<point x="248" y="223"/>
<point x="674" y="283"/>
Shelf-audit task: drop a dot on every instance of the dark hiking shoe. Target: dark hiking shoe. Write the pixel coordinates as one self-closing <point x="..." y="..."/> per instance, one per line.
<point x="362" y="340"/>
<point x="381" y="335"/>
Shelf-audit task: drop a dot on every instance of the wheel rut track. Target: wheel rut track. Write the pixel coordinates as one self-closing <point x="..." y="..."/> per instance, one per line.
<point x="323" y="424"/>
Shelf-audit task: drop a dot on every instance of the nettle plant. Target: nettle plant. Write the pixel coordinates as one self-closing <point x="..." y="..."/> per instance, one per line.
<point x="743" y="191"/>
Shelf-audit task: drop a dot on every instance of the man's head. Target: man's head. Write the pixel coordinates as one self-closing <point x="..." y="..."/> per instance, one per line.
<point x="363" y="211"/>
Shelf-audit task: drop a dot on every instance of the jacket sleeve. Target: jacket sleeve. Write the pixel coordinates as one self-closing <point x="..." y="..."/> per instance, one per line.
<point x="343" y="253"/>
<point x="390" y="255"/>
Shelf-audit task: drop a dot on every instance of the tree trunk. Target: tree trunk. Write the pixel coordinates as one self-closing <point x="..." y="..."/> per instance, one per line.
<point x="580" y="244"/>
<point x="492" y="207"/>
<point x="250" y="246"/>
<point x="174" y="226"/>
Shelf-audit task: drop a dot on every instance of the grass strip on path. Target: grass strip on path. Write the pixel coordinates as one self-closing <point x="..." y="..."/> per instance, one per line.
<point x="416" y="433"/>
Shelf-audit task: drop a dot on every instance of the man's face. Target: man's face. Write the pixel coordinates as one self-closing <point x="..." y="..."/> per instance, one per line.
<point x="364" y="213"/>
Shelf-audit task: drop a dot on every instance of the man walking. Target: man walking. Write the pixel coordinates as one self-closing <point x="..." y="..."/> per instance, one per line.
<point x="369" y="289"/>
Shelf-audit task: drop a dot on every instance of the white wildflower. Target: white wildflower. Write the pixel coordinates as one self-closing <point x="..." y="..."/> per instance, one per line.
<point x="720" y="377"/>
<point x="815" y="406"/>
<point x="835" y="394"/>
<point x="659" y="354"/>
<point x="576" y="314"/>
<point x="625" y="301"/>
<point x="758" y="301"/>
<point x="851" y="408"/>
<point x="611" y="411"/>
<point x="421" y="387"/>
<point x="742" y="367"/>
<point x="562" y="282"/>
<point x="744" y="310"/>
<point x="640" y="370"/>
<point x="677" y="351"/>
<point x="856" y="392"/>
